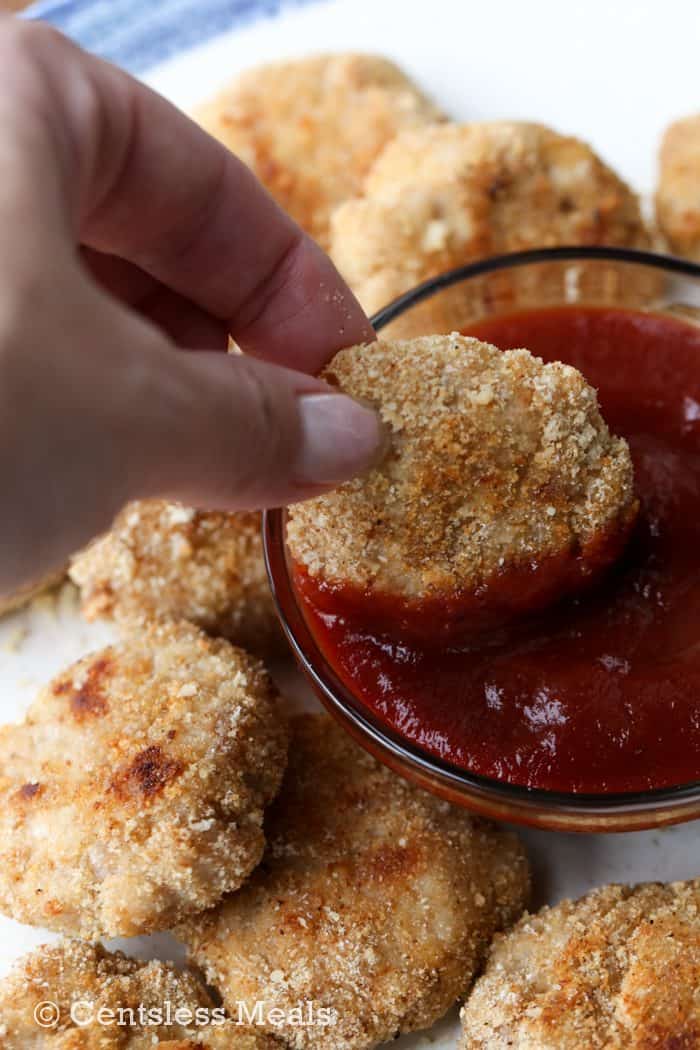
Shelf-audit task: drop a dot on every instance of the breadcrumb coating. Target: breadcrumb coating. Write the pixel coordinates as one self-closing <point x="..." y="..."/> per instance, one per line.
<point x="25" y="594"/>
<point x="96" y="984"/>
<point x="163" y="561"/>
<point x="678" y="192"/>
<point x="497" y="465"/>
<point x="310" y="128"/>
<point x="617" y="970"/>
<point x="133" y="792"/>
<point x="374" y="901"/>
<point x="441" y="196"/>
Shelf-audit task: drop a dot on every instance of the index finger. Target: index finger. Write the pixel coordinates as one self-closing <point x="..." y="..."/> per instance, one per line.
<point x="138" y="179"/>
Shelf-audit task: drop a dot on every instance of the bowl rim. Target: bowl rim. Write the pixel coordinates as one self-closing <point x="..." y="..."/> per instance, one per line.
<point x="493" y="263"/>
<point x="324" y="678"/>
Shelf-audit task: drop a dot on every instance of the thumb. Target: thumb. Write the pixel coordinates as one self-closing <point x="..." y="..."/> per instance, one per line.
<point x="232" y="432"/>
<point x="115" y="412"/>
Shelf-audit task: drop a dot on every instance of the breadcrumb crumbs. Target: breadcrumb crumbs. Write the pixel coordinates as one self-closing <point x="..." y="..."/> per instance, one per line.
<point x="133" y="792"/>
<point x="374" y="901"/>
<point x="162" y="561"/>
<point x="678" y="192"/>
<point x="444" y="195"/>
<point x="618" y="969"/>
<point x="101" y="983"/>
<point x="496" y="461"/>
<point x="310" y="128"/>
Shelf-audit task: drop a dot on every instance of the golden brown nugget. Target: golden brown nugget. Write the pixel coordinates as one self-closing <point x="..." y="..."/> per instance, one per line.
<point x="310" y="128"/>
<point x="163" y="561"/>
<point x="444" y="195"/>
<point x="502" y="487"/>
<point x="78" y="996"/>
<point x="133" y="793"/>
<point x="617" y="970"/>
<point x="22" y="597"/>
<point x="678" y="193"/>
<point x="374" y="902"/>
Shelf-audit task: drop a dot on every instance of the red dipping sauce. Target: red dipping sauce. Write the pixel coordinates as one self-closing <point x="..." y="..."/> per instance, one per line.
<point x="600" y="693"/>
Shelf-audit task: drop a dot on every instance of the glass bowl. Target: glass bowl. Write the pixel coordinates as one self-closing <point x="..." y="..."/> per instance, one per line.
<point x="454" y="300"/>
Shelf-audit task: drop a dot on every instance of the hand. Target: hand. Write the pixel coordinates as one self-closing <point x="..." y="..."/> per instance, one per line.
<point x="132" y="245"/>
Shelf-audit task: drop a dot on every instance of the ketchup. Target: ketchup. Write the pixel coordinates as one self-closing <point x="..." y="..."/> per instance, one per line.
<point x="600" y="693"/>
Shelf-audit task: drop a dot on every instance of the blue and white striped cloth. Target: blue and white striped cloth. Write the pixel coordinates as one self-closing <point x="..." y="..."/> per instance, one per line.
<point x="139" y="34"/>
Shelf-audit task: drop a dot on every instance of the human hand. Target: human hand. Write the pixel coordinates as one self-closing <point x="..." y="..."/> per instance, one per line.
<point x="133" y="244"/>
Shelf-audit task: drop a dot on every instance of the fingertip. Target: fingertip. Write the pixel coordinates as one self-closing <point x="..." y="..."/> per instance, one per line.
<point x="340" y="439"/>
<point x="302" y="312"/>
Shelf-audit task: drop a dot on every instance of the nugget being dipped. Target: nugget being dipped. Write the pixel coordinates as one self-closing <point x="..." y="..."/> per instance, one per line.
<point x="373" y="906"/>
<point x="76" y="996"/>
<point x="132" y="795"/>
<point x="501" y="491"/>
<point x="618" y="969"/>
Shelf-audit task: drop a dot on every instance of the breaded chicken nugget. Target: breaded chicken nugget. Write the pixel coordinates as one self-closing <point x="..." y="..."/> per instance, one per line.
<point x="162" y="561"/>
<point x="617" y="970"/>
<point x="678" y="193"/>
<point x="25" y="594"/>
<point x="502" y="488"/>
<point x="132" y="795"/>
<point x="310" y="128"/>
<point x="76" y="996"/>
<point x="442" y="196"/>
<point x="374" y="902"/>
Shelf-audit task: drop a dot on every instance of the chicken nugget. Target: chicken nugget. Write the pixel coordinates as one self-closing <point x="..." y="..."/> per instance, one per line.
<point x="444" y="195"/>
<point x="373" y="905"/>
<point x="502" y="488"/>
<point x="133" y="792"/>
<point x="678" y="192"/>
<point x="617" y="970"/>
<point x="163" y="561"/>
<point x="310" y="128"/>
<point x="78" y="996"/>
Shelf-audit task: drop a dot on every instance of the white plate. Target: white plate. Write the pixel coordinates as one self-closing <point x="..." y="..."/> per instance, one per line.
<point x="611" y="72"/>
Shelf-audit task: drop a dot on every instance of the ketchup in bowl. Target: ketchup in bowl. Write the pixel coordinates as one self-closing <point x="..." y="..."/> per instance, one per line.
<point x="600" y="693"/>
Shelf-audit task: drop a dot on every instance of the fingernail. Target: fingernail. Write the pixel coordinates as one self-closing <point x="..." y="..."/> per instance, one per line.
<point x="340" y="439"/>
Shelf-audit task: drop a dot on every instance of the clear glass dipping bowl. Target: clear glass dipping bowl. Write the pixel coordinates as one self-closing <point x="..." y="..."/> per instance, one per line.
<point x="452" y="301"/>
